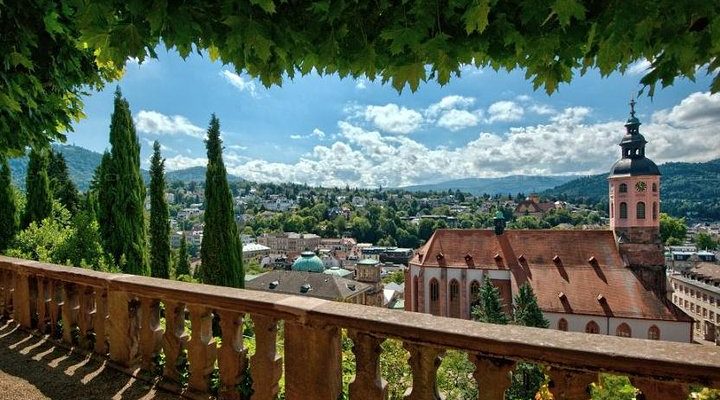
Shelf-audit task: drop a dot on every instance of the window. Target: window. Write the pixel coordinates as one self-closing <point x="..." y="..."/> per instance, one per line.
<point x="474" y="293"/>
<point x="562" y="324"/>
<point x="454" y="299"/>
<point x="434" y="297"/>
<point x="654" y="333"/>
<point x="640" y="210"/>
<point x="655" y="213"/>
<point x="623" y="188"/>
<point x="623" y="210"/>
<point x="623" y="330"/>
<point x="592" y="327"/>
<point x="415" y="293"/>
<point x="654" y="187"/>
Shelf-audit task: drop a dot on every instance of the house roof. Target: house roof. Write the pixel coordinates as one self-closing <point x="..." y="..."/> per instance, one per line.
<point x="451" y="248"/>
<point x="706" y="270"/>
<point x="323" y="286"/>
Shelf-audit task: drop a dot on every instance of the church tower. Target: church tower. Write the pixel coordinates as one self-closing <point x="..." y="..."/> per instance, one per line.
<point x="634" y="191"/>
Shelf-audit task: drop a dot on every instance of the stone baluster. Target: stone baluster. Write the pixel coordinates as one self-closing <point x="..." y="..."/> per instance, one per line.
<point x="123" y="330"/>
<point x="174" y="339"/>
<point x="150" y="332"/>
<point x="8" y="289"/>
<point x="69" y="310"/>
<point x="42" y="304"/>
<point x="99" y="322"/>
<point x="54" y="305"/>
<point x="312" y="362"/>
<point x="368" y="382"/>
<point x="570" y="385"/>
<point x="86" y="306"/>
<point x="266" y="364"/>
<point x="3" y="295"/>
<point x="661" y="390"/>
<point x="492" y="376"/>
<point x="202" y="350"/>
<point x="424" y="362"/>
<point x="232" y="356"/>
<point x="22" y="310"/>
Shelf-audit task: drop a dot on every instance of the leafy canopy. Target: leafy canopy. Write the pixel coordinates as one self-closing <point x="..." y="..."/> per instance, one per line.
<point x="55" y="49"/>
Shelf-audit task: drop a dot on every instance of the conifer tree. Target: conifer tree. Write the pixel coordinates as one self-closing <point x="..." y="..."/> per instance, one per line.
<point x="62" y="187"/>
<point x="8" y="208"/>
<point x="39" y="199"/>
<point x="101" y="197"/>
<point x="489" y="308"/>
<point x="159" y="222"/>
<point x="527" y="312"/>
<point x="183" y="265"/>
<point x="122" y="194"/>
<point x="221" y="249"/>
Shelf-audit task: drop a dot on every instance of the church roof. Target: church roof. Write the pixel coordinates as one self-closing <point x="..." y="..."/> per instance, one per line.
<point x="323" y="286"/>
<point x="634" y="167"/>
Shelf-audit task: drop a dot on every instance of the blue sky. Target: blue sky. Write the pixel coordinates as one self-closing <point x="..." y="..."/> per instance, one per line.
<point x="330" y="131"/>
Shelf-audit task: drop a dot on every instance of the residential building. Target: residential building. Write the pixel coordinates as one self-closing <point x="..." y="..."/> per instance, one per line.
<point x="290" y="243"/>
<point x="697" y="291"/>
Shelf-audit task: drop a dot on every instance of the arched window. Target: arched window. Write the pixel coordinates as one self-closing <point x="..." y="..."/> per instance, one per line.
<point x="474" y="293"/>
<point x="623" y="210"/>
<point x="623" y="188"/>
<point x="612" y="210"/>
<point x="654" y="187"/>
<point x="654" y="333"/>
<point x="434" y="297"/>
<point x="655" y="213"/>
<point x="415" y="293"/>
<point x="562" y="324"/>
<point x="640" y="210"/>
<point x="623" y="330"/>
<point x="454" y="299"/>
<point x="592" y="327"/>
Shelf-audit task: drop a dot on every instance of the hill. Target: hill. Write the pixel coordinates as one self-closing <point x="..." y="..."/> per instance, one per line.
<point x="687" y="189"/>
<point x="508" y="184"/>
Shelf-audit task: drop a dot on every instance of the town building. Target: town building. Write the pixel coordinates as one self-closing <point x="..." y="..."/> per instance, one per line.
<point x="681" y="258"/>
<point x="367" y="271"/>
<point x="254" y="250"/>
<point x="302" y="283"/>
<point x="609" y="282"/>
<point x="532" y="206"/>
<point x="290" y="243"/>
<point x="697" y="291"/>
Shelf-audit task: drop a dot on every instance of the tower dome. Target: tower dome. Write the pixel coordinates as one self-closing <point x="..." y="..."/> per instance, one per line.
<point x="633" y="161"/>
<point x="308" y="262"/>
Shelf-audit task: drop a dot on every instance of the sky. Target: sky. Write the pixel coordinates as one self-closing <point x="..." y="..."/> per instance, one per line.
<point x="327" y="131"/>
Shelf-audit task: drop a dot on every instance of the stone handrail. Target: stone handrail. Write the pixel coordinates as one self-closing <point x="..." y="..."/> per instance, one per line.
<point x="118" y="316"/>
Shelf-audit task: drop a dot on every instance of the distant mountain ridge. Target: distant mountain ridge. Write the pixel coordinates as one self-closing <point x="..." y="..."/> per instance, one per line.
<point x="83" y="162"/>
<point x="512" y="184"/>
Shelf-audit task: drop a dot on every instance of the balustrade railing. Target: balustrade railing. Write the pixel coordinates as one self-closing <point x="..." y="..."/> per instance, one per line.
<point x="121" y="317"/>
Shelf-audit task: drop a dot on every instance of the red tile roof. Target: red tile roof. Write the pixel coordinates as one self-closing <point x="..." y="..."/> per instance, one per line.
<point x="538" y="247"/>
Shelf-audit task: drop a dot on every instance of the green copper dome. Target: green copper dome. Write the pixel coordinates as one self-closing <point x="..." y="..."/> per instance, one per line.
<point x="308" y="262"/>
<point x="337" y="271"/>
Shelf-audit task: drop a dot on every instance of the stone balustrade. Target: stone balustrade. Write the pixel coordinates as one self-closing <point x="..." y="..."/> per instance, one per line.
<point x="120" y="317"/>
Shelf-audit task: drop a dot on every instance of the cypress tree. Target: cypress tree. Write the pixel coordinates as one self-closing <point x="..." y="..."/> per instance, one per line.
<point x="126" y="240"/>
<point x="39" y="199"/>
<point x="159" y="222"/>
<point x="101" y="196"/>
<point x="183" y="265"/>
<point x="221" y="249"/>
<point x="8" y="208"/>
<point x="489" y="308"/>
<point x="62" y="187"/>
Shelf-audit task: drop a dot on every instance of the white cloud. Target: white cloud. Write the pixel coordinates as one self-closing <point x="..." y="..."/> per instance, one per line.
<point x="237" y="147"/>
<point x="360" y="85"/>
<point x="542" y="109"/>
<point x="504" y="111"/>
<point x="638" y="67"/>
<point x="317" y="133"/>
<point x="243" y="84"/>
<point x="394" y="119"/>
<point x="181" y="162"/>
<point x="449" y="103"/>
<point x="296" y="137"/>
<point x="698" y="109"/>
<point x="155" y="123"/>
<point x="456" y="120"/>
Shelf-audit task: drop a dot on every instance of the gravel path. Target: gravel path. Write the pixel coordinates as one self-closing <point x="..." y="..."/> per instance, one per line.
<point x="32" y="368"/>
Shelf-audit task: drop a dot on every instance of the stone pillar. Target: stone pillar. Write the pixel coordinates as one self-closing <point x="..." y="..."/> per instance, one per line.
<point x="421" y="290"/>
<point x="464" y="302"/>
<point x="21" y="300"/>
<point x="312" y="362"/>
<point x="492" y="376"/>
<point x="368" y="383"/>
<point x="443" y="292"/>
<point x="568" y="385"/>
<point x="424" y="362"/>
<point x="123" y="346"/>
<point x="265" y="365"/>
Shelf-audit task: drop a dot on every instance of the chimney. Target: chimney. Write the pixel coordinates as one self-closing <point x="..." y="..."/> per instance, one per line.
<point x="594" y="262"/>
<point x="499" y="260"/>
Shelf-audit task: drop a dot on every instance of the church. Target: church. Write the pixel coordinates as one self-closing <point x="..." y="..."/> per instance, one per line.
<point x="608" y="282"/>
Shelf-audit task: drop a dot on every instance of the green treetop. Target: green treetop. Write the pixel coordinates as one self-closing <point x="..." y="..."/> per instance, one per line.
<point x="8" y="208"/>
<point x="526" y="309"/>
<point x="672" y="230"/>
<point x="39" y="199"/>
<point x="221" y="249"/>
<point x="101" y="197"/>
<point x="63" y="188"/>
<point x="489" y="308"/>
<point x="159" y="222"/>
<point x="183" y="265"/>
<point x="124" y="185"/>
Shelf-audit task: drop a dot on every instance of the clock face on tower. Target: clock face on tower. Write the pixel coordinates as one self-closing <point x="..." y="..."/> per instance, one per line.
<point x="640" y="186"/>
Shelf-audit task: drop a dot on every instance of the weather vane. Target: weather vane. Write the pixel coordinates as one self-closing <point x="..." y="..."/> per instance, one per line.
<point x="632" y="106"/>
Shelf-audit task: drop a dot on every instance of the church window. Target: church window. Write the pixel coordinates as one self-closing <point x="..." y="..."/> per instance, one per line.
<point x="654" y="187"/>
<point x="474" y="293"/>
<point x="654" y="333"/>
<point x="623" y="210"/>
<point x="640" y="210"/>
<point x="454" y="299"/>
<point x="592" y="327"/>
<point x="415" y="293"/>
<point x="623" y="188"/>
<point x="562" y="324"/>
<point x="434" y="297"/>
<point x="623" y="330"/>
<point x="654" y="211"/>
